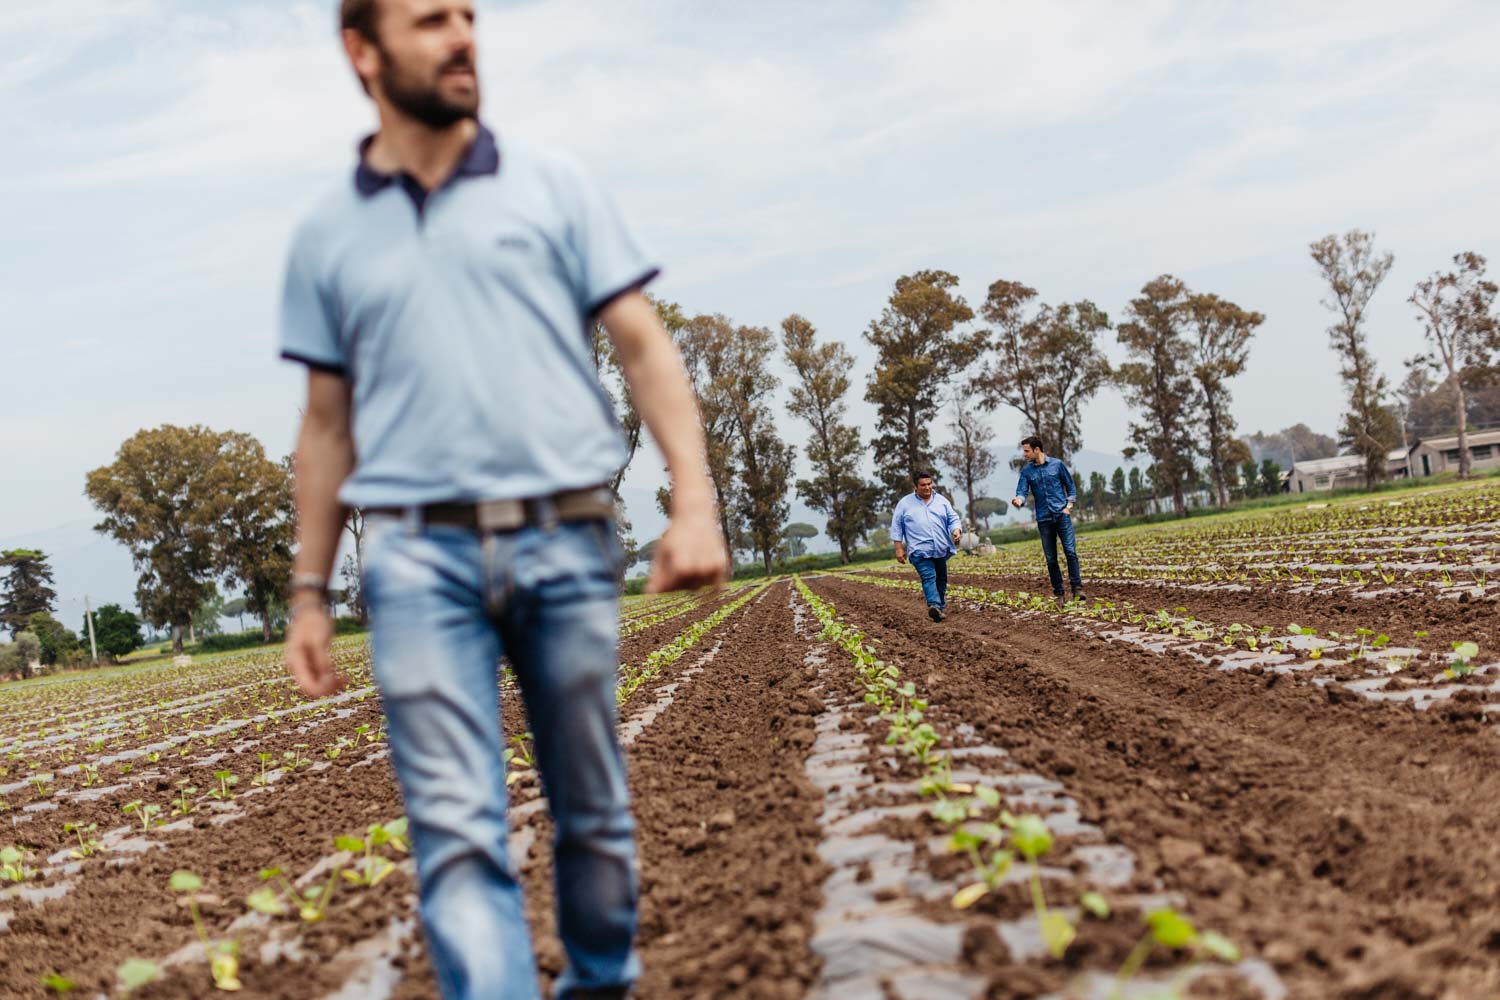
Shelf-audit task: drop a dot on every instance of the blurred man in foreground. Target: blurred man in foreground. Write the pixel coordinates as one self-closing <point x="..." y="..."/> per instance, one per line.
<point x="442" y="299"/>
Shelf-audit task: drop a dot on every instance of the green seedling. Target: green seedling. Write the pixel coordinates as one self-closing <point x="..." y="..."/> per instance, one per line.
<point x="42" y="785"/>
<point x="1095" y="904"/>
<point x="87" y="844"/>
<point x="223" y="956"/>
<point x="184" y="804"/>
<point x="145" y="812"/>
<point x="990" y="870"/>
<point x="134" y="973"/>
<point x="126" y="767"/>
<point x="374" y="867"/>
<point x="1463" y="659"/>
<point x="227" y="780"/>
<point x="1171" y="930"/>
<point x="12" y="867"/>
<point x="311" y="905"/>
<point x="1032" y="838"/>
<point x="523" y="753"/>
<point x="90" y="774"/>
<point x="263" y="777"/>
<point x="56" y="982"/>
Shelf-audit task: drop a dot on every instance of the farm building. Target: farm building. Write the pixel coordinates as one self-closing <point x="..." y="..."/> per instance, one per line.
<point x="1429" y="456"/>
<point x="1340" y="472"/>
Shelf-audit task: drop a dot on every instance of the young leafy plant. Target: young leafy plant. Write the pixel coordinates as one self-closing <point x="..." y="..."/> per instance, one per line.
<point x="87" y="843"/>
<point x="223" y="956"/>
<point x="12" y="866"/>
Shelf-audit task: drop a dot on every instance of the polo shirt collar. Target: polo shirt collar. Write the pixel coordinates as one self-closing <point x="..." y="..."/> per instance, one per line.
<point x="481" y="158"/>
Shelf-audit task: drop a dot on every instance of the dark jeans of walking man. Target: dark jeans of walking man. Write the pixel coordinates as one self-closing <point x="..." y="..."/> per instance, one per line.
<point x="443" y="300"/>
<point x="925" y="528"/>
<point x="1054" y="493"/>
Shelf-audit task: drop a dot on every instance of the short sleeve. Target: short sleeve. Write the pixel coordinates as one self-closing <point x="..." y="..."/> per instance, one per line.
<point x="609" y="259"/>
<point x="309" y="318"/>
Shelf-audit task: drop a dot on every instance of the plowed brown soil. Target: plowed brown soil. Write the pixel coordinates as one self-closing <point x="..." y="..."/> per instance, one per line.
<point x="1344" y="841"/>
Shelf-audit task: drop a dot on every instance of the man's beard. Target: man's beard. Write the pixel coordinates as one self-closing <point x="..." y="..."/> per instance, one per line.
<point x="423" y="101"/>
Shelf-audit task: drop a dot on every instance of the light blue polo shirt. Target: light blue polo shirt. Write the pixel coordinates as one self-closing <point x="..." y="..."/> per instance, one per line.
<point x="462" y="319"/>
<point x="926" y="529"/>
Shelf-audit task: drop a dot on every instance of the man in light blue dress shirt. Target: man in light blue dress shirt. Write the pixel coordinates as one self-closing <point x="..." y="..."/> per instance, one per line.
<point x="925" y="528"/>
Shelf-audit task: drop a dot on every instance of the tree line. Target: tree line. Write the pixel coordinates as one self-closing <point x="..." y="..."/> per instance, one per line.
<point x="39" y="641"/>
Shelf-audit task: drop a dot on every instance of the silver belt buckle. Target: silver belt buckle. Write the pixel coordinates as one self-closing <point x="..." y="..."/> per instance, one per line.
<point x="500" y="515"/>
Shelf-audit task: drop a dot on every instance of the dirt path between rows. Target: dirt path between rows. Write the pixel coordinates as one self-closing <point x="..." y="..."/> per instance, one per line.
<point x="1445" y="620"/>
<point x="1346" y="842"/>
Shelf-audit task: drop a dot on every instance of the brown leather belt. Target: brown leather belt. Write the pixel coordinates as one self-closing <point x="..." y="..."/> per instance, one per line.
<point x="591" y="504"/>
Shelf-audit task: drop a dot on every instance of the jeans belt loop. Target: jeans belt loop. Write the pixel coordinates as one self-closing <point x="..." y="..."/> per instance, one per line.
<point x="546" y="514"/>
<point x="411" y="520"/>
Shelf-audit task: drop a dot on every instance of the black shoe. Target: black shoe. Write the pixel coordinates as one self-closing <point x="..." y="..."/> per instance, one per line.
<point x="1079" y="595"/>
<point x="934" y="612"/>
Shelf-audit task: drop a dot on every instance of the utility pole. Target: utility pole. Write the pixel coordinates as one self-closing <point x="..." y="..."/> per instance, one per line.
<point x="88" y="612"/>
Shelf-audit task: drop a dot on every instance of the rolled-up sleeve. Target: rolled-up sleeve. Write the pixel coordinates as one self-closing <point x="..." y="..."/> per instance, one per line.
<point x="1021" y="483"/>
<point x="897" y="532"/>
<point x="1068" y="485"/>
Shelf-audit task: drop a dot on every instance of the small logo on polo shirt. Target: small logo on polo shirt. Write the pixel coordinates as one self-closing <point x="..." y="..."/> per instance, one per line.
<point x="513" y="242"/>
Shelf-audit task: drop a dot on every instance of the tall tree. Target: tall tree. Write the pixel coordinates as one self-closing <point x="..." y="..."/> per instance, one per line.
<point x="116" y="631"/>
<point x="836" y="488"/>
<point x="1223" y="331"/>
<point x="256" y="523"/>
<point x="1045" y="366"/>
<point x="353" y="570"/>
<point x="764" y="460"/>
<point x="1354" y="271"/>
<point x="971" y="453"/>
<point x="1158" y="382"/>
<point x="1456" y="309"/>
<point x="27" y="588"/>
<point x="59" y="644"/>
<point x="919" y="348"/>
<point x="158" y="500"/>
<point x="708" y="350"/>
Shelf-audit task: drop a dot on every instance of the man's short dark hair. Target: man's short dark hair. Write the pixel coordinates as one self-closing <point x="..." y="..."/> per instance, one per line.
<point x="918" y="475"/>
<point x="360" y="16"/>
<point x="1034" y="442"/>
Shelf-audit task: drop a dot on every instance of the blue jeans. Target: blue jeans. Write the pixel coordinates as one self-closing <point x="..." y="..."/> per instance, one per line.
<point x="445" y="604"/>
<point x="934" y="574"/>
<point x="1052" y="530"/>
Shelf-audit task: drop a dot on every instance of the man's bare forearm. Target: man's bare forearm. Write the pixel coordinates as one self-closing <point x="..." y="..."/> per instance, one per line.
<point x="663" y="396"/>
<point x="325" y="457"/>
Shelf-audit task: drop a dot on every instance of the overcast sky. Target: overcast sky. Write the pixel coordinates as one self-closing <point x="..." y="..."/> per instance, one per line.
<point x="781" y="157"/>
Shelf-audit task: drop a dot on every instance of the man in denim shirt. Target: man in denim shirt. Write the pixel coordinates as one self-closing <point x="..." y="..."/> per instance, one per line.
<point x="442" y="297"/>
<point x="1055" y="494"/>
<point x="925" y="527"/>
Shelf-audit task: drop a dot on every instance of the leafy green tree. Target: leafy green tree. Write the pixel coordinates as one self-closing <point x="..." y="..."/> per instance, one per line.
<point x="27" y="588"/>
<point x="764" y="460"/>
<point x="797" y="534"/>
<point x="987" y="507"/>
<point x="28" y="651"/>
<point x="1249" y="477"/>
<point x="834" y="448"/>
<point x="971" y="453"/>
<point x="1456" y="309"/>
<point x="206" y="618"/>
<point x="1097" y="489"/>
<point x="1045" y="365"/>
<point x="117" y="632"/>
<point x="257" y="524"/>
<point x="59" y="645"/>
<point x="236" y="608"/>
<point x="1117" y="486"/>
<point x="1158" y="383"/>
<point x="1137" y="490"/>
<point x="1222" y="347"/>
<point x="10" y="662"/>
<point x="158" y="499"/>
<point x="918" y="350"/>
<point x="1270" y="477"/>
<point x="708" y="352"/>
<point x="1354" y="271"/>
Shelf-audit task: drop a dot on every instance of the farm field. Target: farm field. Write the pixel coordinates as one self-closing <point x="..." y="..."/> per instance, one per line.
<point x="1257" y="762"/>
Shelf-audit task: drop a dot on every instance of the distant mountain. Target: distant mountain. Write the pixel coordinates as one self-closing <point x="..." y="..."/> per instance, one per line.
<point x="84" y="563"/>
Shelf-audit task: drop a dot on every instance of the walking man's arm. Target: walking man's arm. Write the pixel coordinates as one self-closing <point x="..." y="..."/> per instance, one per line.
<point x="691" y="552"/>
<point x="898" y="535"/>
<point x="1019" y="500"/>
<point x="955" y="526"/>
<point x="1068" y="485"/>
<point x="325" y="457"/>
